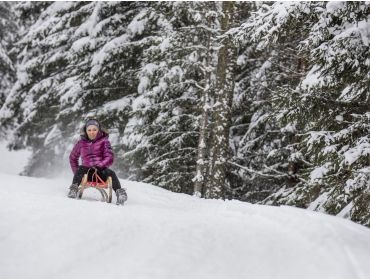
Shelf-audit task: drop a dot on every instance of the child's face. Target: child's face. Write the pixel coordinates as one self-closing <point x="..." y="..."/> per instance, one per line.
<point x="92" y="131"/>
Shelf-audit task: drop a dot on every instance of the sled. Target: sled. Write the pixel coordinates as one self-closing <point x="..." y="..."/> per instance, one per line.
<point x="104" y="187"/>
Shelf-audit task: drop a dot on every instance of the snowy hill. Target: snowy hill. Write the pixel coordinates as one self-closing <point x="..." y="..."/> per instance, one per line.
<point x="164" y="234"/>
<point x="159" y="234"/>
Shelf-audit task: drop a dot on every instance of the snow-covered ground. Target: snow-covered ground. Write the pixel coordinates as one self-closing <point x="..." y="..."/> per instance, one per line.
<point x="159" y="234"/>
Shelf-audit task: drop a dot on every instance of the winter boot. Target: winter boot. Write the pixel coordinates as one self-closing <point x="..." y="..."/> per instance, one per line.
<point x="73" y="190"/>
<point x="121" y="196"/>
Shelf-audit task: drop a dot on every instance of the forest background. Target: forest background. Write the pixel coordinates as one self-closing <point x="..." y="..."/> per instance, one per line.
<point x="264" y="102"/>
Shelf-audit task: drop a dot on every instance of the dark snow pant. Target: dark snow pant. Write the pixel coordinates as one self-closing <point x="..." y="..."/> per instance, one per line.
<point x="103" y="173"/>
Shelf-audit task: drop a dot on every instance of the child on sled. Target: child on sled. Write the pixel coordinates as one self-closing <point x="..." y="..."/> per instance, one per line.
<point x="95" y="150"/>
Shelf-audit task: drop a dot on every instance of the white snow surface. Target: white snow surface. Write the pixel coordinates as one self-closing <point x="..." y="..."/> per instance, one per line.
<point x="159" y="234"/>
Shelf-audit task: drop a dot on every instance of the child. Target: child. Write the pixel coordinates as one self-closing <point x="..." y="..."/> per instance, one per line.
<point x="95" y="150"/>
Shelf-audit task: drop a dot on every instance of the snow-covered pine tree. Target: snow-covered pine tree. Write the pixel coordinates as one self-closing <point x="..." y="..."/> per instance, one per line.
<point x="329" y="110"/>
<point x="48" y="66"/>
<point x="260" y="142"/>
<point x="73" y="63"/>
<point x="220" y="40"/>
<point x="337" y="142"/>
<point x="8" y="28"/>
<point x="116" y="38"/>
<point x="162" y="136"/>
<point x="27" y="13"/>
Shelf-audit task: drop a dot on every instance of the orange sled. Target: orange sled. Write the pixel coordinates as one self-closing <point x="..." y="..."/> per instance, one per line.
<point x="104" y="187"/>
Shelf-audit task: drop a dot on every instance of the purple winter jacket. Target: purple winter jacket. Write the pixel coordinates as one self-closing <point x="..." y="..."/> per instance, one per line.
<point x="97" y="152"/>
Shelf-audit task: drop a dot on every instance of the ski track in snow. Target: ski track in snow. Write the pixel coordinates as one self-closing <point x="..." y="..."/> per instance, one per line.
<point x="159" y="234"/>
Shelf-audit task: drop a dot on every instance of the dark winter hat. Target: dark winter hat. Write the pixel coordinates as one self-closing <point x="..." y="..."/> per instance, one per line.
<point x="92" y="122"/>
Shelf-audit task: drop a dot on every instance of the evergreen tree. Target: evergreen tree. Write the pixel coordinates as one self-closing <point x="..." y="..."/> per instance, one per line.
<point x="267" y="65"/>
<point x="47" y="65"/>
<point x="163" y="133"/>
<point x="120" y="35"/>
<point x="328" y="112"/>
<point x="263" y="102"/>
<point x="8" y="33"/>
<point x="67" y="71"/>
<point x="335" y="115"/>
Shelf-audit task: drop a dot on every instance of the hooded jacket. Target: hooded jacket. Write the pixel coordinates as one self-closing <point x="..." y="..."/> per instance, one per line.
<point x="94" y="153"/>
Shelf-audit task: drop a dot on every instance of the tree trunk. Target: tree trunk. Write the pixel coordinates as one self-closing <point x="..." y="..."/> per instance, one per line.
<point x="215" y="186"/>
<point x="202" y="159"/>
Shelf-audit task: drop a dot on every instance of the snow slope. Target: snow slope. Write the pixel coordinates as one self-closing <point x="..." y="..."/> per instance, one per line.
<point x="159" y="234"/>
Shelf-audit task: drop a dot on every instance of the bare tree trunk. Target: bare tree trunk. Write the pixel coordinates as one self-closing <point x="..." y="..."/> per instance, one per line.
<point x="202" y="160"/>
<point x="215" y="186"/>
